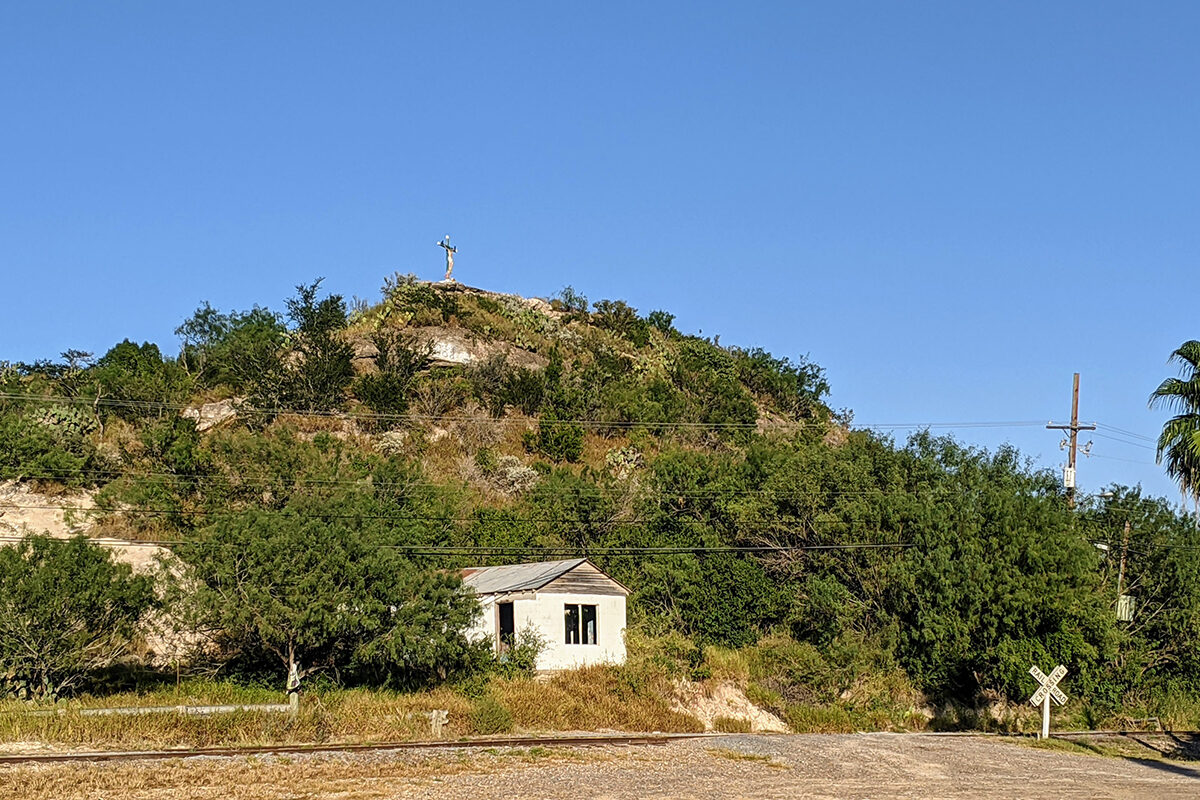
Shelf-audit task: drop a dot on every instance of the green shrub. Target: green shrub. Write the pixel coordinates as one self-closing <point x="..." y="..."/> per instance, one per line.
<point x="138" y="382"/>
<point x="809" y="718"/>
<point x="488" y="717"/>
<point x="407" y="300"/>
<point x="568" y="299"/>
<point x="556" y="439"/>
<point x="68" y="611"/>
<point x="520" y="658"/>
<point x="731" y="725"/>
<point x="485" y="460"/>
<point x="31" y="446"/>
<point x="662" y="321"/>
<point x="526" y="389"/>
<point x="400" y="358"/>
<point x="617" y="316"/>
<point x="229" y="349"/>
<point x="797" y="388"/>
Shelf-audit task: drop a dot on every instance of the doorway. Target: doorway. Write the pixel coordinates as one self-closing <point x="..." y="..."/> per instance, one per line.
<point x="507" y="626"/>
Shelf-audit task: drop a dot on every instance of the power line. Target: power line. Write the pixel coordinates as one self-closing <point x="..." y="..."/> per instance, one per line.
<point x="1126" y="460"/>
<point x="540" y="550"/>
<point x="379" y="416"/>
<point x="1124" y="432"/>
<point x="412" y="518"/>
<point x="1122" y="441"/>
<point x="665" y="493"/>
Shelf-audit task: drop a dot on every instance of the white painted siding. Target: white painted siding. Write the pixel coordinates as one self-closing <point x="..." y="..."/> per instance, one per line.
<point x="544" y="612"/>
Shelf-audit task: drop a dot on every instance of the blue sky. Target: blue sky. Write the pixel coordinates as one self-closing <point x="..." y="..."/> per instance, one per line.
<point x="950" y="206"/>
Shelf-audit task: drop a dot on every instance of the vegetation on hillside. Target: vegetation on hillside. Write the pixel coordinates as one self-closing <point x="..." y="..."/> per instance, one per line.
<point x="322" y="524"/>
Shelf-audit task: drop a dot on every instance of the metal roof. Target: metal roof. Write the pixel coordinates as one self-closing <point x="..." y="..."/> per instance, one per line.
<point x="517" y="577"/>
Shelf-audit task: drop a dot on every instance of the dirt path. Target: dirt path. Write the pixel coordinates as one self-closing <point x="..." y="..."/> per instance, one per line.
<point x="814" y="766"/>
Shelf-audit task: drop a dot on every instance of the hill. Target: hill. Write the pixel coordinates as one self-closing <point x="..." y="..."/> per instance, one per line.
<point x="446" y="426"/>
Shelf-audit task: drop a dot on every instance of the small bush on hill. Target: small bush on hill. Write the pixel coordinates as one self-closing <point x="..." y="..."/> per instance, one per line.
<point x="568" y="299"/>
<point x="617" y="316"/>
<point x="138" y="382"/>
<point x="400" y="358"/>
<point x="36" y="442"/>
<point x="559" y="440"/>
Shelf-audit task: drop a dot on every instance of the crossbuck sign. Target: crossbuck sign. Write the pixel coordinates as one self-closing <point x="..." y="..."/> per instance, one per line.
<point x="1048" y="689"/>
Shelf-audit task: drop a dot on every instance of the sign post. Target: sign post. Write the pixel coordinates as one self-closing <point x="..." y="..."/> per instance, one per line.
<point x="1047" y="690"/>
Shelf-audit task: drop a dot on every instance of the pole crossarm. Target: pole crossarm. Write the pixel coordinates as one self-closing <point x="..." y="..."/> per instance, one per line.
<point x="1073" y="442"/>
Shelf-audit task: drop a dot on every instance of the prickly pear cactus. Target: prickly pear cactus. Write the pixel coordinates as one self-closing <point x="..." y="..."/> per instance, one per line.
<point x="68" y="422"/>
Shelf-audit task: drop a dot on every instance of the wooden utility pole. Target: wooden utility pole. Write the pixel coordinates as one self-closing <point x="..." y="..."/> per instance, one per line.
<point x="1073" y="446"/>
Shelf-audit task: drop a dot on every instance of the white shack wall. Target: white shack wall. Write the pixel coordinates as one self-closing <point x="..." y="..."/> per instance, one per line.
<point x="543" y="611"/>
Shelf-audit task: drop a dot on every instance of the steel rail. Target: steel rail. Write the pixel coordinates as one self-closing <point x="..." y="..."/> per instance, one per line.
<point x="638" y="739"/>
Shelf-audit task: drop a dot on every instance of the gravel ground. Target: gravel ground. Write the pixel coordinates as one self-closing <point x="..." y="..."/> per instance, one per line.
<point x="827" y="766"/>
<point x="736" y="766"/>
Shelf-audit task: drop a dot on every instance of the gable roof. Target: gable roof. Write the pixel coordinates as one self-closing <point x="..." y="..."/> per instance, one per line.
<point x="519" y="577"/>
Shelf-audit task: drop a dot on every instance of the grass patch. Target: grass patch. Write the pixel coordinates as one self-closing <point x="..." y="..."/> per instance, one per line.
<point x="593" y="698"/>
<point x="731" y="725"/>
<point x="488" y="717"/>
<point x="353" y="715"/>
<point x="727" y="665"/>
<point x="809" y="718"/>
<point x="596" y="698"/>
<point x="737" y="755"/>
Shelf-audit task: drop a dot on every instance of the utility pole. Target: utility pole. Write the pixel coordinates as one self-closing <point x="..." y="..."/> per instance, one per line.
<point x="1121" y="570"/>
<point x="1074" y="428"/>
<point x="1124" y="605"/>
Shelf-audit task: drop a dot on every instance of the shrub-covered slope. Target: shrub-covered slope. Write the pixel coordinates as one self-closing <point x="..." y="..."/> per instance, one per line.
<point x="445" y="426"/>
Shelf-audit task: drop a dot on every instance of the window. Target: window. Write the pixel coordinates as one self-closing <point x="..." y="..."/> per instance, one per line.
<point x="508" y="628"/>
<point x="580" y="623"/>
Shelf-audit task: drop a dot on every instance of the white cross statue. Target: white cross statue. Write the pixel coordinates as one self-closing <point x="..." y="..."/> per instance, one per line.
<point x="1047" y="690"/>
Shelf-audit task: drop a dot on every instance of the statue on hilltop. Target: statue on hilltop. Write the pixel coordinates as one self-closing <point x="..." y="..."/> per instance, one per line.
<point x="450" y="251"/>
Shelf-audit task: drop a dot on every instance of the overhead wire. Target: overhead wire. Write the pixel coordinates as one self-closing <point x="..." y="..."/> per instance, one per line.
<point x="533" y="549"/>
<point x="628" y="522"/>
<point x="368" y="482"/>
<point x="402" y="417"/>
<point x="1125" y="442"/>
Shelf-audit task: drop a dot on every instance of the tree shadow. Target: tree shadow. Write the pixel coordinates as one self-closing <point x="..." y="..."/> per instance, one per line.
<point x="1167" y="766"/>
<point x="1179" y="747"/>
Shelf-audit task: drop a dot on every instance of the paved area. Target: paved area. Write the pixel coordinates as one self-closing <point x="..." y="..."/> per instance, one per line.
<point x="866" y="767"/>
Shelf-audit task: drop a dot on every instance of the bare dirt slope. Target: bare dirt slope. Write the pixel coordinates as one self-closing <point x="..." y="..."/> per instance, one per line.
<point x="24" y="511"/>
<point x="809" y="766"/>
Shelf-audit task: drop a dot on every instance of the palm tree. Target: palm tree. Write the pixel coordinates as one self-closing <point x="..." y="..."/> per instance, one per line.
<point x="1179" y="442"/>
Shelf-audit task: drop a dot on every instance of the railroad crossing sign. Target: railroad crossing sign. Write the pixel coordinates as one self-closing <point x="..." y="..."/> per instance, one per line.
<point x="1047" y="690"/>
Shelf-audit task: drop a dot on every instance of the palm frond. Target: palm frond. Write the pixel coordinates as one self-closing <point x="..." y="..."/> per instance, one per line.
<point x="1179" y="442"/>
<point x="1188" y="354"/>
<point x="1178" y="395"/>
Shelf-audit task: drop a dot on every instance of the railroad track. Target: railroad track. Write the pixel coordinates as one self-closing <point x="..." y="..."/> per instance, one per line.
<point x="637" y="739"/>
<point x="1184" y="740"/>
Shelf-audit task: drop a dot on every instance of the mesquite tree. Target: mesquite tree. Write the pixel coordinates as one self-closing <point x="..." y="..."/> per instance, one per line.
<point x="66" y="610"/>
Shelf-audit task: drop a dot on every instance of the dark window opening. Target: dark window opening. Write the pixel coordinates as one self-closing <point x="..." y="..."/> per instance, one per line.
<point x="589" y="624"/>
<point x="508" y="626"/>
<point x="580" y="624"/>
<point x="571" y="617"/>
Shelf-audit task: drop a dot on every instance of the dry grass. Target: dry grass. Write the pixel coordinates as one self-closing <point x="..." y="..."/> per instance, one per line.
<point x="594" y="698"/>
<point x="269" y="778"/>
<point x="737" y="755"/>
<point x="339" y="716"/>
<point x="732" y="725"/>
<point x="597" y="698"/>
<point x="727" y="665"/>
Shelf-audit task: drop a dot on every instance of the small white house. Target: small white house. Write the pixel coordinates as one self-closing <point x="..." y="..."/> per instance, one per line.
<point x="576" y="610"/>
